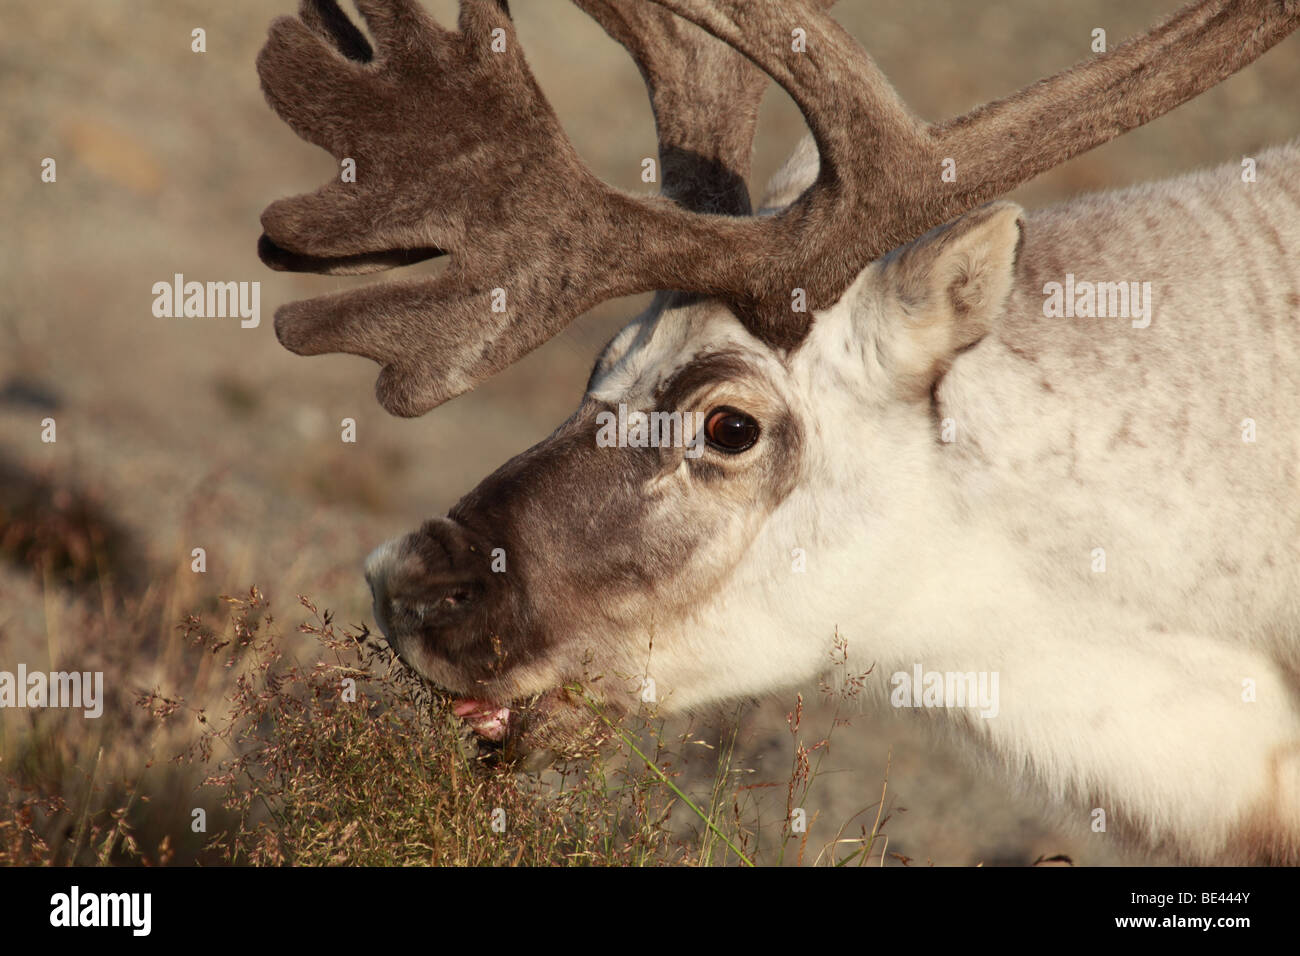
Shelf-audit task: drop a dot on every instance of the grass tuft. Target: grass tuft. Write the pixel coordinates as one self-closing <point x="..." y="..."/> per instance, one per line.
<point x="319" y="747"/>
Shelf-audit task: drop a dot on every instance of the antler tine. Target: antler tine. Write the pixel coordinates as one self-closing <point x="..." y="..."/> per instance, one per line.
<point x="315" y="69"/>
<point x="1144" y="77"/>
<point x="705" y="98"/>
<point x="841" y="92"/>
<point x="328" y="20"/>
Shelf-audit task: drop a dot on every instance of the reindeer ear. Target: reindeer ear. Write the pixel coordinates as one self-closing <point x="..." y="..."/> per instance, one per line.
<point x="944" y="292"/>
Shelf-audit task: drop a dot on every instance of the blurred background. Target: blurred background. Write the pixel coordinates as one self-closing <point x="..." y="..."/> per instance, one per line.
<point x="174" y="434"/>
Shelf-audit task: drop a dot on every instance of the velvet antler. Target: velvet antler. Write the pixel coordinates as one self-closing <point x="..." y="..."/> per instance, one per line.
<point x="457" y="151"/>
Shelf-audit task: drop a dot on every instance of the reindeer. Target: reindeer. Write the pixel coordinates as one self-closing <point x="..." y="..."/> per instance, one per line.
<point x="1102" y="512"/>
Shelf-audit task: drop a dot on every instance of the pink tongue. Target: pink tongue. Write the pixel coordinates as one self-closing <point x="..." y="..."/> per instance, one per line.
<point x="485" y="718"/>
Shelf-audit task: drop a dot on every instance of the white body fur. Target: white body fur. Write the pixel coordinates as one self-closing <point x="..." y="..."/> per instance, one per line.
<point x="1123" y="690"/>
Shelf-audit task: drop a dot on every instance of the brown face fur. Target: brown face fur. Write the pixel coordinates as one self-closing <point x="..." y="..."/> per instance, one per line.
<point x="599" y="546"/>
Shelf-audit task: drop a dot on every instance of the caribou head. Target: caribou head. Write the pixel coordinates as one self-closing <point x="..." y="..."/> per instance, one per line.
<point x="781" y="399"/>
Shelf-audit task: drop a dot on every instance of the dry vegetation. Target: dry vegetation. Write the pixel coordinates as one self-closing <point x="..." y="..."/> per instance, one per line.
<point x="328" y="751"/>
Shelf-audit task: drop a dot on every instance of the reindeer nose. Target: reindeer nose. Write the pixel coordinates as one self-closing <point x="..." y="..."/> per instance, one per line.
<point x="377" y="565"/>
<point x="377" y="571"/>
<point x="423" y="582"/>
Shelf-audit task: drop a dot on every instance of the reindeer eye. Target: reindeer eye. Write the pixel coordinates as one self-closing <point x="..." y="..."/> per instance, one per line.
<point x="729" y="430"/>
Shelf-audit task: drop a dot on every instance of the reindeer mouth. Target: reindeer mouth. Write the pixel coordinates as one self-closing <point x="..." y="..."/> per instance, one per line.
<point x="496" y="722"/>
<point x="555" y="724"/>
<point x="489" y="720"/>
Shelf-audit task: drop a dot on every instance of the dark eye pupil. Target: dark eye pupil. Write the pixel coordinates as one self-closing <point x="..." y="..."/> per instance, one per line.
<point x="733" y="430"/>
<point x="730" y="430"/>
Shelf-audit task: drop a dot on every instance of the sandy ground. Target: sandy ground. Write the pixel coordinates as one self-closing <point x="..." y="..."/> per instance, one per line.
<point x="197" y="433"/>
